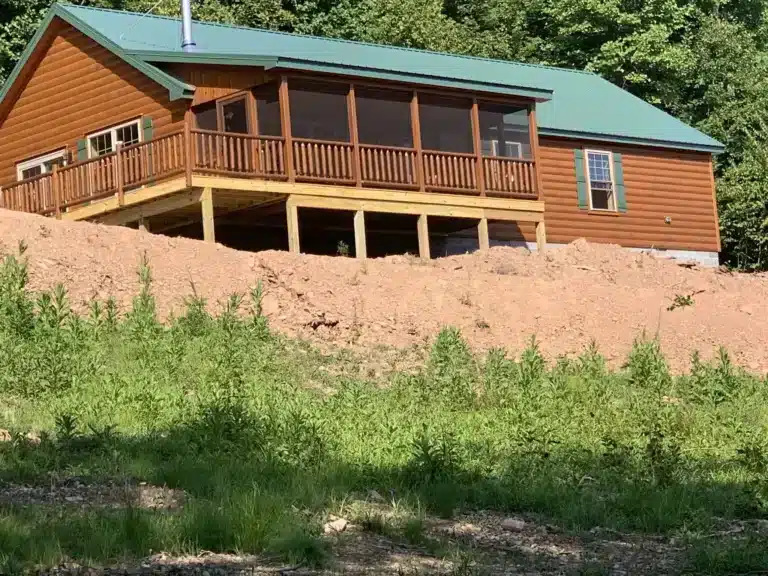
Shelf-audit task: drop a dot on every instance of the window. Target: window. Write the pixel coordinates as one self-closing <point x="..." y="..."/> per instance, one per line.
<point x="601" y="188"/>
<point x="504" y="130"/>
<point x="234" y="116"/>
<point x="446" y="124"/>
<point x="207" y="117"/>
<point x="40" y="165"/>
<point x="104" y="142"/>
<point x="384" y="117"/>
<point x="268" y="110"/>
<point x="319" y="110"/>
<point x="229" y="115"/>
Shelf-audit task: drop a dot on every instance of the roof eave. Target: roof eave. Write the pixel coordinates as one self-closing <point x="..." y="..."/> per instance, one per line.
<point x="715" y="148"/>
<point x="537" y="94"/>
<point x="170" y="56"/>
<point x="274" y="62"/>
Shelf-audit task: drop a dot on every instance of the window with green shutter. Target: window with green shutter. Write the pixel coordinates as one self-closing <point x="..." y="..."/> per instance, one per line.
<point x="600" y="180"/>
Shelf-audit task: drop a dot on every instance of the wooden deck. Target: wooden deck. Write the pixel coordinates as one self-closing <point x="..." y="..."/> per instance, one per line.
<point x="229" y="171"/>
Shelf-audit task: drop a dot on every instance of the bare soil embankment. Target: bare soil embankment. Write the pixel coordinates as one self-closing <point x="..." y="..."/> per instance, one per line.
<point x="566" y="297"/>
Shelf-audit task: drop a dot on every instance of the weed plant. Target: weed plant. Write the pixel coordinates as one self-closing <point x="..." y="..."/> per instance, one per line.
<point x="264" y="436"/>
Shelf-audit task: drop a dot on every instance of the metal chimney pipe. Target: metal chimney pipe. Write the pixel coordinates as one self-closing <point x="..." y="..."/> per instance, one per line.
<point x="187" y="43"/>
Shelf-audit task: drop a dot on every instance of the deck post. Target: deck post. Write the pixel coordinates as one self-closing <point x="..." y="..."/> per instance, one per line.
<point x="206" y="203"/>
<point x="292" y="215"/>
<point x="416" y="128"/>
<point x="56" y="191"/>
<point x="143" y="224"/>
<point x="541" y="237"/>
<point x="482" y="234"/>
<point x="423" y="229"/>
<point x="361" y="250"/>
<point x="188" y="147"/>
<point x="533" y="132"/>
<point x="357" y="164"/>
<point x="285" y="120"/>
<point x="118" y="174"/>
<point x="478" y="146"/>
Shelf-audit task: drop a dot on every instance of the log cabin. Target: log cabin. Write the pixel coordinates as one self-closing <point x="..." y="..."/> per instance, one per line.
<point x="260" y="139"/>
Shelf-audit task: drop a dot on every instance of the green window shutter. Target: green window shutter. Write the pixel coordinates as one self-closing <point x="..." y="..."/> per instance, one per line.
<point x="147" y="128"/>
<point x="82" y="150"/>
<point x="618" y="176"/>
<point x="581" y="180"/>
<point x="147" y="132"/>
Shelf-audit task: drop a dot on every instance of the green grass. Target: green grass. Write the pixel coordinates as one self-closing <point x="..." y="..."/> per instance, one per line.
<point x="267" y="436"/>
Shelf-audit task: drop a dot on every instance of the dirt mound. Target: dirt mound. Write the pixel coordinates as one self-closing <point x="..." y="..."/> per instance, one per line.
<point x="565" y="297"/>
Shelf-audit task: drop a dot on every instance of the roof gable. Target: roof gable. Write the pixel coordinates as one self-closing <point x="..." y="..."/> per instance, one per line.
<point x="10" y="88"/>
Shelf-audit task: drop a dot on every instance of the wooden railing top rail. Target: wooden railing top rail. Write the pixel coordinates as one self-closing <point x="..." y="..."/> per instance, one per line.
<point x="389" y="148"/>
<point x="367" y="164"/>
<point x="451" y="154"/>
<point x="238" y="135"/>
<point x="510" y="159"/>
<point x="324" y="142"/>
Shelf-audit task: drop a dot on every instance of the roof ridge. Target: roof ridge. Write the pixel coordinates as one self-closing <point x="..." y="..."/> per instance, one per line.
<point x="340" y="40"/>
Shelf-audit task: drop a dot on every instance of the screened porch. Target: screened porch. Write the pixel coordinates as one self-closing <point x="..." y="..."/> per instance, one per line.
<point x="309" y="130"/>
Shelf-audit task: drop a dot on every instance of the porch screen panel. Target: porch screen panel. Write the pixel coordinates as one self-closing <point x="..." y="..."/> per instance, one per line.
<point x="504" y="131"/>
<point x="268" y="110"/>
<point x="319" y="110"/>
<point x="384" y="117"/>
<point x="446" y="124"/>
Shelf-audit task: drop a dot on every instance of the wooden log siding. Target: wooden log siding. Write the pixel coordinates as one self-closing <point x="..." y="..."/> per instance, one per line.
<point x="658" y="183"/>
<point x="75" y="87"/>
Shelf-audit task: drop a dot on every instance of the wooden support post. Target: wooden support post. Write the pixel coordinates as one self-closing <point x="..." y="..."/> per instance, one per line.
<point x="423" y="229"/>
<point x="361" y="250"/>
<point x="206" y="203"/>
<point x="118" y="173"/>
<point x="56" y="185"/>
<point x="143" y="224"/>
<point x="478" y="146"/>
<point x="482" y="234"/>
<point x="188" y="147"/>
<point x="533" y="131"/>
<point x="292" y="215"/>
<point x="285" y="120"/>
<point x="541" y="236"/>
<point x="416" y="128"/>
<point x="352" y="110"/>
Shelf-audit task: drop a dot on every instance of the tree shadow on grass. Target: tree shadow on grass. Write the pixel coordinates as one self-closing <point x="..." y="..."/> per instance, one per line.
<point x="250" y="490"/>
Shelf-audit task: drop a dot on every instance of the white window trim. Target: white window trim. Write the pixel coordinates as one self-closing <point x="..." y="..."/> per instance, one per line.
<point x="495" y="148"/>
<point x="39" y="161"/>
<point x="587" y="152"/>
<point x="113" y="130"/>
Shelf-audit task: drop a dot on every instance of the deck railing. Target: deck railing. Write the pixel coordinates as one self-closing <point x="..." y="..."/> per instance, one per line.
<point x="389" y="166"/>
<point x="250" y="156"/>
<point x="230" y="154"/>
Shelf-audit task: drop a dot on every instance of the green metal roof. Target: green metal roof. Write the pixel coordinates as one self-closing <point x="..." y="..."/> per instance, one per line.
<point x="571" y="103"/>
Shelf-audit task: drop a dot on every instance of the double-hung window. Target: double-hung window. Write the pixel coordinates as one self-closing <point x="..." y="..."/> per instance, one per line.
<point x="40" y="165"/>
<point x="104" y="141"/>
<point x="600" y="180"/>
